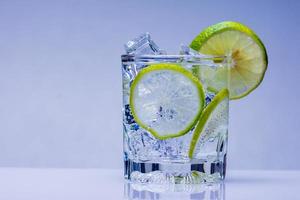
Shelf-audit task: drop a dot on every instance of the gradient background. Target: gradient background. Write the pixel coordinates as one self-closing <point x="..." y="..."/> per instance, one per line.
<point x="60" y="78"/>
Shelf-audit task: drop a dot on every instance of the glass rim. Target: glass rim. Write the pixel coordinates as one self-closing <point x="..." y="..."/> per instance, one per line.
<point x="173" y="58"/>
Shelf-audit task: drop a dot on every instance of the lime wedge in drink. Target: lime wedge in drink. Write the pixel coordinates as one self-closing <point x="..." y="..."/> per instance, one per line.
<point x="213" y="116"/>
<point x="247" y="57"/>
<point x="166" y="100"/>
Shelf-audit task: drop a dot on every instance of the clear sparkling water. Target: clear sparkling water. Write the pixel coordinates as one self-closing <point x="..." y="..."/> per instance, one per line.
<point x="150" y="160"/>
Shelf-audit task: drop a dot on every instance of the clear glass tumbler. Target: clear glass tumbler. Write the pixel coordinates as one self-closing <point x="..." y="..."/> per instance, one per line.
<point x="183" y="141"/>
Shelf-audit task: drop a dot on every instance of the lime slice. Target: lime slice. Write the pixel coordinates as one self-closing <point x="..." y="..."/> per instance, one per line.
<point x="166" y="100"/>
<point x="212" y="117"/>
<point x="247" y="57"/>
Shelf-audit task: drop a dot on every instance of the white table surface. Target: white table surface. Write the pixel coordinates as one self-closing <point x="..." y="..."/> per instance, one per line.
<point x="106" y="184"/>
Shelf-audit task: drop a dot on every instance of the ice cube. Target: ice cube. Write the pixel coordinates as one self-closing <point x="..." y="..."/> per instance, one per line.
<point x="186" y="50"/>
<point x="143" y="45"/>
<point x="205" y="59"/>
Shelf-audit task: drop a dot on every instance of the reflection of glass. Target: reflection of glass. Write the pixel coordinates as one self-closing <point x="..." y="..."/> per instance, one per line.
<point x="135" y="191"/>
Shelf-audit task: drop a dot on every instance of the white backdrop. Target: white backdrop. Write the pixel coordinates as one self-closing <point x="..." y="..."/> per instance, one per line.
<point x="60" y="78"/>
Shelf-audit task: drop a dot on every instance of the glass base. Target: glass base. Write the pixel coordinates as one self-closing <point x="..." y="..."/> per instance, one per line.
<point x="194" y="172"/>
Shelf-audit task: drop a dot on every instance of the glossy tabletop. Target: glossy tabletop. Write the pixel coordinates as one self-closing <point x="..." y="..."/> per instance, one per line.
<point x="107" y="184"/>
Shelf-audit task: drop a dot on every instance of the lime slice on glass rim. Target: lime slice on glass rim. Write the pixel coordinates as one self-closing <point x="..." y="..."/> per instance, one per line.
<point x="214" y="115"/>
<point x="166" y="100"/>
<point x="247" y="58"/>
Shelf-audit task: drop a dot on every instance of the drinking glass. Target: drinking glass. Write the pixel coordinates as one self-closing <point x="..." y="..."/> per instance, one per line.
<point x="183" y="159"/>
